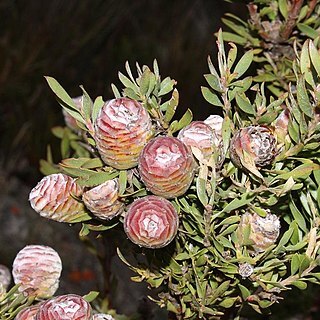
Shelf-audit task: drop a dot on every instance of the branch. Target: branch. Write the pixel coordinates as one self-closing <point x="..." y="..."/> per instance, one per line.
<point x="312" y="5"/>
<point x="292" y="18"/>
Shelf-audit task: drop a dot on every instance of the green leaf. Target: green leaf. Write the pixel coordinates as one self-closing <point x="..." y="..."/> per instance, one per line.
<point x="60" y="92"/>
<point x="84" y="230"/>
<point x="172" y="106"/>
<point x="305" y="64"/>
<point x="244" y="199"/>
<point x="295" y="264"/>
<point x="226" y="133"/>
<point x="300" y="284"/>
<point x="115" y="91"/>
<point x="79" y="217"/>
<point x="128" y="92"/>
<point x="211" y="97"/>
<point x="245" y="293"/>
<point x="244" y="104"/>
<point x="300" y="172"/>
<point x="228" y="302"/>
<point x="240" y="30"/>
<point x="97" y="105"/>
<point x="228" y="36"/>
<point x="65" y="145"/>
<point x="298" y="217"/>
<point x="75" y="114"/>
<point x="156" y="68"/>
<point x="86" y="105"/>
<point x="247" y="162"/>
<point x="308" y="31"/>
<point x="82" y="162"/>
<point x="232" y="55"/>
<point x="47" y="168"/>
<point x="285" y="238"/>
<point x="236" y="18"/>
<point x="182" y="256"/>
<point x="183" y="122"/>
<point x="95" y="178"/>
<point x="243" y="64"/>
<point x="214" y="82"/>
<point x="122" y="181"/>
<point x="293" y="129"/>
<point x="283" y="8"/>
<point x="128" y="83"/>
<point x="145" y="81"/>
<point x="128" y="69"/>
<point x="265" y="77"/>
<point x="230" y="220"/>
<point x="166" y="86"/>
<point x="315" y="57"/>
<point x="218" y="292"/>
<point x="201" y="191"/>
<point x="92" y="295"/>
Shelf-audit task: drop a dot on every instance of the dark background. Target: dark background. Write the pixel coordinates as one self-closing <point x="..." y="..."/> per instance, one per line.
<point x="87" y="43"/>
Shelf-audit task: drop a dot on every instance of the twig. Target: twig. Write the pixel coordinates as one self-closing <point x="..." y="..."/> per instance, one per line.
<point x="292" y="18"/>
<point x="312" y="5"/>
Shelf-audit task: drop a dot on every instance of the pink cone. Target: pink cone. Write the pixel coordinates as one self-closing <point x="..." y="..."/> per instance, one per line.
<point x="37" y="269"/>
<point x="122" y="128"/>
<point x="166" y="167"/>
<point x="53" y="198"/>
<point x="151" y="222"/>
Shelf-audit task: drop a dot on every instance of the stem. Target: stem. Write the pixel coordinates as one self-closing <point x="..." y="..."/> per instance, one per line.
<point x="295" y="277"/>
<point x="292" y="18"/>
<point x="312" y="5"/>
<point x="207" y="223"/>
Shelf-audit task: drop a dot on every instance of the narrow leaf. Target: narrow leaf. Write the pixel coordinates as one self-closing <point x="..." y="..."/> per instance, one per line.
<point x="214" y="82"/>
<point x="115" y="91"/>
<point x="60" y="92"/>
<point x="232" y="55"/>
<point x="166" y="86"/>
<point x="244" y="104"/>
<point x="172" y="105"/>
<point x="315" y="57"/>
<point x="243" y="64"/>
<point x="127" y="82"/>
<point x="97" y="105"/>
<point x="308" y="31"/>
<point x="211" y="97"/>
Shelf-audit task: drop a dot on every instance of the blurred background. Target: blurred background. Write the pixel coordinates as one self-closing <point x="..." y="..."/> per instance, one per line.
<point x="87" y="43"/>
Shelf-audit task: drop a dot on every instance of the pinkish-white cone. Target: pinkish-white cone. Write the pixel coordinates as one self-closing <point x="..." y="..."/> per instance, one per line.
<point x="5" y="277"/>
<point x="151" y="222"/>
<point x="65" y="307"/>
<point x="215" y="122"/>
<point x="28" y="313"/>
<point x="37" y="270"/>
<point x="256" y="144"/>
<point x="281" y="125"/>
<point x="53" y="198"/>
<point x="103" y="200"/>
<point x="102" y="316"/>
<point x="264" y="231"/>
<point x="122" y="128"/>
<point x="166" y="167"/>
<point x="198" y="135"/>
